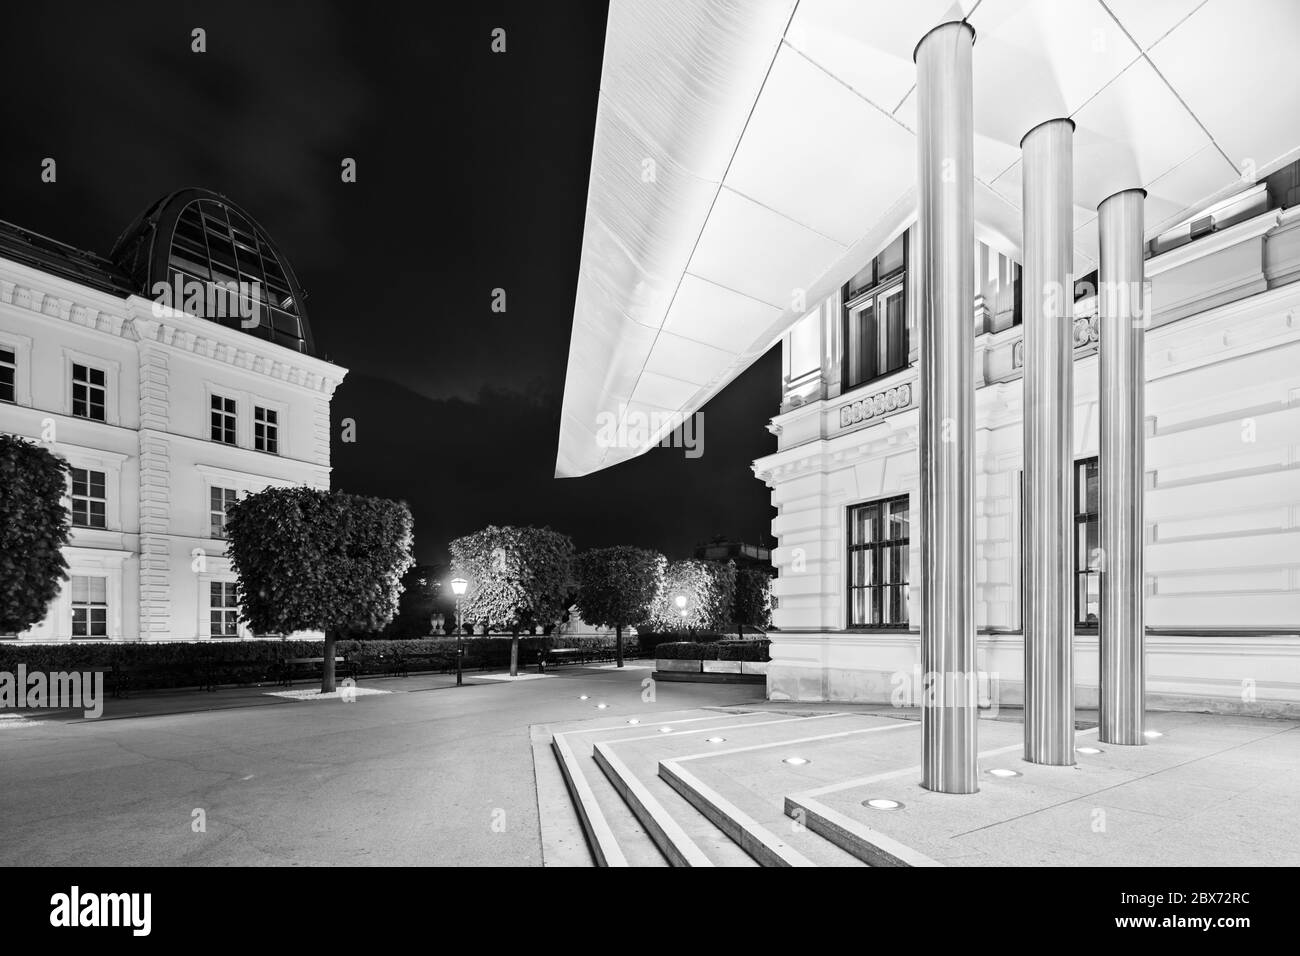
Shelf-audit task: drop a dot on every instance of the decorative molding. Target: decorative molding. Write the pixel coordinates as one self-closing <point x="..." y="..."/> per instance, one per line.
<point x="876" y="406"/>
<point x="1086" y="335"/>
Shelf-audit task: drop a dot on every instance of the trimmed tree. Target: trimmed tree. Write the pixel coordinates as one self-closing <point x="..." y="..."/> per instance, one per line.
<point x="617" y="587"/>
<point x="316" y="560"/>
<point x="753" y="603"/>
<point x="709" y="588"/>
<point x="34" y="526"/>
<point x="518" y="578"/>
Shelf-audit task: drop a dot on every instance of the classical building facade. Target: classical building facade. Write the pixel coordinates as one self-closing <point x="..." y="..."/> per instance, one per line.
<point x="1222" y="530"/>
<point x="166" y="407"/>
<point x="960" y="220"/>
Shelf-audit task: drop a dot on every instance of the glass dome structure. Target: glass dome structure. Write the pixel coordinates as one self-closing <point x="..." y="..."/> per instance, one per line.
<point x="203" y="240"/>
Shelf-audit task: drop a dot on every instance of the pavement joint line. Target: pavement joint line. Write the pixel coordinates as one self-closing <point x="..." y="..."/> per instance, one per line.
<point x="889" y="774"/>
<point x="799" y="740"/>
<point x="1125" y="783"/>
<point x="681" y="850"/>
<point x="687" y="733"/>
<point x="731" y="820"/>
<point x="661" y="823"/>
<point x="886" y="849"/>
<point x="624" y="726"/>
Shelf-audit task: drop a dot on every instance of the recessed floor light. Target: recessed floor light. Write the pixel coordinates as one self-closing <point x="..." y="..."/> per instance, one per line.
<point x="1088" y="750"/>
<point x="583" y="697"/>
<point x="1152" y="734"/>
<point x="796" y="761"/>
<point x="665" y="730"/>
<point x="881" y="803"/>
<point x="714" y="740"/>
<point x="601" y="706"/>
<point x="1003" y="772"/>
<point x="634" y="721"/>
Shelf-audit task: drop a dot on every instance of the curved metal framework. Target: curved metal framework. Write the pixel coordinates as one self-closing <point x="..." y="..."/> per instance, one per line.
<point x="198" y="236"/>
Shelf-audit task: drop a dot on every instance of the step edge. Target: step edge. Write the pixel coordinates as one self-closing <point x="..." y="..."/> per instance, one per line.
<point x="600" y="837"/>
<point x="760" y="843"/>
<point x="870" y="846"/>
<point x="667" y="834"/>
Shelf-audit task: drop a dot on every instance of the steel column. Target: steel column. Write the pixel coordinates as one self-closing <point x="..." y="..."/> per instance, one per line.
<point x="946" y="278"/>
<point x="1048" y="307"/>
<point x="1121" y="303"/>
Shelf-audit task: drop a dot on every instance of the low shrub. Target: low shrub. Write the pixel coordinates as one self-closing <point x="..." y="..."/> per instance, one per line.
<point x="752" y="651"/>
<point x="183" y="663"/>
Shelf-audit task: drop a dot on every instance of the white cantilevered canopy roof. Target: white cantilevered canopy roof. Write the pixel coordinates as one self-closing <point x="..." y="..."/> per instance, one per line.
<point x="749" y="157"/>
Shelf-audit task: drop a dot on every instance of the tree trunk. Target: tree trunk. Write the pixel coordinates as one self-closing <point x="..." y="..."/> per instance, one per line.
<point x="618" y="644"/>
<point x="514" y="653"/>
<point x="327" y="668"/>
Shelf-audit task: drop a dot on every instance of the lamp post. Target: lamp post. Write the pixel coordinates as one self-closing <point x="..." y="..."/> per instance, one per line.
<point x="458" y="587"/>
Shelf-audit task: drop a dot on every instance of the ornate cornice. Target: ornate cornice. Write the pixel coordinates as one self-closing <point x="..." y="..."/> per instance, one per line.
<point x="66" y="301"/>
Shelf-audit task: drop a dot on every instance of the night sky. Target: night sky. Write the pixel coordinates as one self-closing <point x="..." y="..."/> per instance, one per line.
<point x="472" y="174"/>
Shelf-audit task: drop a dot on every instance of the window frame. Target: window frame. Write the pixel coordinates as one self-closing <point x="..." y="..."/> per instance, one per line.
<point x="879" y="549"/>
<point x="217" y="515"/>
<point x="11" y="365"/>
<point x="89" y="608"/>
<point x="88" y="497"/>
<point x="89" y="387"/>
<point x="881" y="286"/>
<point x="265" y="432"/>
<point x="1083" y="468"/>
<point x="217" y="406"/>
<point x="223" y="618"/>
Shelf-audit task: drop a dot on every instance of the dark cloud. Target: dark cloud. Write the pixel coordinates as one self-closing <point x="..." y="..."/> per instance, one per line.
<point x="472" y="175"/>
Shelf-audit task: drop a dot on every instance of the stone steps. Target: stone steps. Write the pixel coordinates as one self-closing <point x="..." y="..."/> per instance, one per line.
<point x="703" y="788"/>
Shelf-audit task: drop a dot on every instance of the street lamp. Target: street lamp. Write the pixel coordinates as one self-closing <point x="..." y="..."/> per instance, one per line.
<point x="458" y="587"/>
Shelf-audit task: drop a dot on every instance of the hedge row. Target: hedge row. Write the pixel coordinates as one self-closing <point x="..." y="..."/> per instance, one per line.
<point x="714" y="651"/>
<point x="252" y="662"/>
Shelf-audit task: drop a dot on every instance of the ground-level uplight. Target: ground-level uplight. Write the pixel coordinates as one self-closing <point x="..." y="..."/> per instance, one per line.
<point x="601" y="706"/>
<point x="665" y="730"/>
<point x="882" y="803"/>
<point x="714" y="740"/>
<point x="1003" y="772"/>
<point x="1152" y="734"/>
<point x="1088" y="750"/>
<point x="583" y="697"/>
<point x="796" y="761"/>
<point x="634" y="721"/>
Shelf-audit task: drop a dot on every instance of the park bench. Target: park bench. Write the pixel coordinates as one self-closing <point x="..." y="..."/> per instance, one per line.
<point x="403" y="664"/>
<point x="126" y="676"/>
<point x="565" y="655"/>
<point x="292" y="667"/>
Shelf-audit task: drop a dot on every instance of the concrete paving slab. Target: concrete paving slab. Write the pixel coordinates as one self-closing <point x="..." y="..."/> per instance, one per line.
<point x="1190" y="797"/>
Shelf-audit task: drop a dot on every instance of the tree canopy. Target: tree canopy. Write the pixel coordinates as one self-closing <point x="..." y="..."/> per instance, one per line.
<point x="310" y="559"/>
<point x="518" y="577"/>
<point x="34" y="526"/>
<point x="709" y="589"/>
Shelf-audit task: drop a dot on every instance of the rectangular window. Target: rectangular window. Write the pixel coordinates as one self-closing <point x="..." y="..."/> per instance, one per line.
<point x="8" y="374"/>
<point x="88" y="499"/>
<point x="266" y="430"/>
<point x="1087" y="545"/>
<point x="89" y="606"/>
<point x="89" y="391"/>
<point x="223" y="420"/>
<point x="878" y="563"/>
<point x="875" y="318"/>
<point x="223" y="609"/>
<point x="219" y="499"/>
